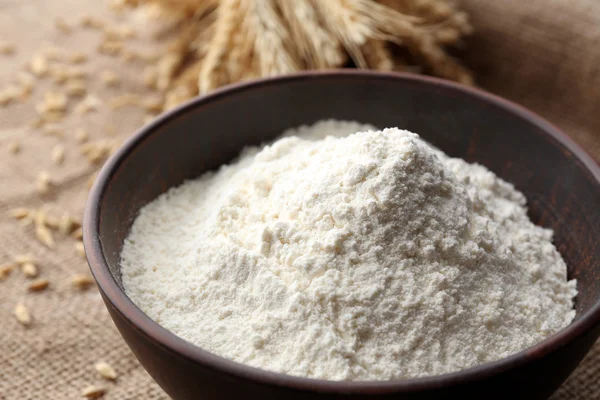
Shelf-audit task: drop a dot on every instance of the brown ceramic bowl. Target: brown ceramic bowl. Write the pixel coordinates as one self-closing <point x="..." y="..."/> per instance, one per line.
<point x="561" y="182"/>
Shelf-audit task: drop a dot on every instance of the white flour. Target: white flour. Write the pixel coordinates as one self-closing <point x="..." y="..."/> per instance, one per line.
<point x="367" y="257"/>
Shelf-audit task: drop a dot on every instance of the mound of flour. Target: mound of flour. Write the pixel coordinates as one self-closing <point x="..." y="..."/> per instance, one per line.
<point x="366" y="257"/>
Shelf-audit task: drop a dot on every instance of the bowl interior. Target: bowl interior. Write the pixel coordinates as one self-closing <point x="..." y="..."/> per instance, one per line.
<point x="562" y="190"/>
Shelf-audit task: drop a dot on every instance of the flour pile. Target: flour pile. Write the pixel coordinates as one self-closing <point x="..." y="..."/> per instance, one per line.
<point x="366" y="257"/>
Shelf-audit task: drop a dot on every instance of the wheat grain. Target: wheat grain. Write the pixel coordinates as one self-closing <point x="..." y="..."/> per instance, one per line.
<point x="7" y="49"/>
<point x="43" y="182"/>
<point x="87" y="104"/>
<point x="153" y="105"/>
<point x="78" y="57"/>
<point x="58" y="74"/>
<point x="110" y="78"/>
<point x="93" y="392"/>
<point x="62" y="26"/>
<point x="29" y="269"/>
<point x="76" y="88"/>
<point x="58" y="154"/>
<point x="5" y="271"/>
<point x="22" y="314"/>
<point x="19" y="213"/>
<point x="126" y="99"/>
<point x="38" y="285"/>
<point x="25" y="258"/>
<point x="14" y="147"/>
<point x="53" y="130"/>
<point x="106" y="371"/>
<point x="81" y="135"/>
<point x="90" y="182"/>
<point x="55" y="101"/>
<point x="26" y="80"/>
<point x="80" y="249"/>
<point x="88" y="21"/>
<point x="39" y="65"/>
<point x="82" y="282"/>
<point x="110" y="47"/>
<point x="65" y="224"/>
<point x="44" y="235"/>
<point x="78" y="233"/>
<point x="51" y="222"/>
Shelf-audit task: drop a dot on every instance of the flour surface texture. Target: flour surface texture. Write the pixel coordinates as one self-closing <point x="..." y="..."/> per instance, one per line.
<point x="348" y="256"/>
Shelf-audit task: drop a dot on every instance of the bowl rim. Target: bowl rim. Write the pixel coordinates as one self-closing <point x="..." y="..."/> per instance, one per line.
<point x="183" y="349"/>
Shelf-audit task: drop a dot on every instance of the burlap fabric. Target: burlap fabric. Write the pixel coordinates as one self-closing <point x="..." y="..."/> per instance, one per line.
<point x="544" y="54"/>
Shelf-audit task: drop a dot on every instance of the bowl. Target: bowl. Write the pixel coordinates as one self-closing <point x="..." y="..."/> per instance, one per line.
<point x="561" y="182"/>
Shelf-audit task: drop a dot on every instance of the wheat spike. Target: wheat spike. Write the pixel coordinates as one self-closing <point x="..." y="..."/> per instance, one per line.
<point x="224" y="41"/>
<point x="377" y="55"/>
<point x="209" y="74"/>
<point x="317" y="47"/>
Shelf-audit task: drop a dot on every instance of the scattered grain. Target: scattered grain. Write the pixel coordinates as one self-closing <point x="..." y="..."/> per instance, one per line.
<point x="110" y="47"/>
<point x="128" y="55"/>
<point x="80" y="249"/>
<point x="148" y="118"/>
<point x="110" y="78"/>
<point x="82" y="282"/>
<point x="26" y="80"/>
<point x="127" y="99"/>
<point x="106" y="371"/>
<point x="87" y="104"/>
<point x="153" y="105"/>
<point x="90" y="181"/>
<point x="62" y="26"/>
<point x="93" y="392"/>
<point x="29" y="269"/>
<point x="77" y="233"/>
<point x="53" y="130"/>
<point x="78" y="57"/>
<point x="74" y="72"/>
<point x="52" y="222"/>
<point x="19" y="213"/>
<point x="58" y="73"/>
<point x="119" y="32"/>
<point x="36" y="123"/>
<point x="9" y="94"/>
<point x="44" y="235"/>
<point x="55" y="101"/>
<point x="7" y="49"/>
<point x="25" y="258"/>
<point x="38" y="285"/>
<point x="76" y="88"/>
<point x="127" y="32"/>
<point x="39" y="217"/>
<point x="5" y="271"/>
<point x="52" y="116"/>
<point x="58" y="154"/>
<point x="43" y="182"/>
<point x="81" y="135"/>
<point x="88" y="21"/>
<point x="5" y="98"/>
<point x="39" y="65"/>
<point x="22" y="314"/>
<point x="14" y="147"/>
<point x="65" y="224"/>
